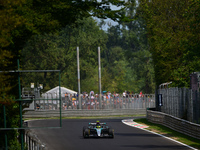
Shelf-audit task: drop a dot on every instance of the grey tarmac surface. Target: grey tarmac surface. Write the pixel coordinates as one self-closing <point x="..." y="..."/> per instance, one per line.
<point x="69" y="137"/>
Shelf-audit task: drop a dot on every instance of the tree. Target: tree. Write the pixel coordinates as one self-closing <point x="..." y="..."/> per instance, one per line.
<point x="114" y="70"/>
<point x="131" y="37"/>
<point x="21" y="19"/>
<point x="58" y="52"/>
<point x="171" y="30"/>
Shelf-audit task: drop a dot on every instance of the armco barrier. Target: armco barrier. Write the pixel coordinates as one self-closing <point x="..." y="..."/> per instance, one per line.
<point x="174" y="123"/>
<point x="82" y="113"/>
<point x="32" y="141"/>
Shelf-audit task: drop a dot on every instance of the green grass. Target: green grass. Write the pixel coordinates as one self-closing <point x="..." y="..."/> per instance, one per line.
<point x="193" y="142"/>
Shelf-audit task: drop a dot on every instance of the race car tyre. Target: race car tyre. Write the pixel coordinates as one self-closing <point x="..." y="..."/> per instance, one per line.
<point x="84" y="130"/>
<point x="86" y="133"/>
<point x="111" y="133"/>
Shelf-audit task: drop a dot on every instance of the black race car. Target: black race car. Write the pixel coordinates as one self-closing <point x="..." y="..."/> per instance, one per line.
<point x="98" y="130"/>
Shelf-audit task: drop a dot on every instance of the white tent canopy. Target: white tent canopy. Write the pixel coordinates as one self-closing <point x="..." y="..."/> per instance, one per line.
<point x="54" y="93"/>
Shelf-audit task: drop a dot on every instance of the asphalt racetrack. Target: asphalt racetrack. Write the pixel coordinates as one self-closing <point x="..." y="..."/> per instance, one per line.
<point x="69" y="137"/>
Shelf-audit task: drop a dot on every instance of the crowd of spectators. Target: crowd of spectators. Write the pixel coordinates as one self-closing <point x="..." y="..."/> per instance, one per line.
<point x="108" y="101"/>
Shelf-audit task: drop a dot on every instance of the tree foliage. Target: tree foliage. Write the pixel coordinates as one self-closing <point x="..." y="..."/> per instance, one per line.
<point x="125" y="60"/>
<point x="173" y="34"/>
<point x="59" y="52"/>
<point x="21" y="19"/>
<point x="132" y="38"/>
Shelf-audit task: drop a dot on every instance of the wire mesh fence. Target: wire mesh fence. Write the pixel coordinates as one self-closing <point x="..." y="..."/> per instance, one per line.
<point x="181" y="102"/>
<point x="134" y="101"/>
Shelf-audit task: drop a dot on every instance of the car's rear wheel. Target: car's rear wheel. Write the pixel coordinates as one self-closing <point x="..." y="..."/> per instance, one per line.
<point x="111" y="133"/>
<point x="85" y="132"/>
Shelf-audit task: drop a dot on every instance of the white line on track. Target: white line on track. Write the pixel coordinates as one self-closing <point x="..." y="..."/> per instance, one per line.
<point x="131" y="123"/>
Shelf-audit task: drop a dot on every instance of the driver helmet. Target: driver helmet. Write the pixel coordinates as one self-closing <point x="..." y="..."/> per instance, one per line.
<point x="98" y="127"/>
<point x="97" y="123"/>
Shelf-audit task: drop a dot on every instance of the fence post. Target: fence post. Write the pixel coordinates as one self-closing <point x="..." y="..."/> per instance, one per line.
<point x="5" y="135"/>
<point x="156" y="98"/>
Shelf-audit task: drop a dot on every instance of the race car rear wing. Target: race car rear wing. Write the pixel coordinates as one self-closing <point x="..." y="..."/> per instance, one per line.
<point x="96" y="123"/>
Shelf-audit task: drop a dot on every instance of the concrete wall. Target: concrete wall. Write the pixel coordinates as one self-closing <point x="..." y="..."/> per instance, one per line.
<point x="83" y="113"/>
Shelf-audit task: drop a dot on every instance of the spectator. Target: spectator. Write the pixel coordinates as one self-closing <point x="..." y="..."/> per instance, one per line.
<point x="114" y="95"/>
<point x="127" y="94"/>
<point x="86" y="95"/>
<point x="140" y="95"/>
<point x="124" y="94"/>
<point x="37" y="106"/>
<point x="132" y="94"/>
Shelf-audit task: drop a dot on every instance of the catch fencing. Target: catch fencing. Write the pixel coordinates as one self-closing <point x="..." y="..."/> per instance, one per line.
<point x="134" y="101"/>
<point x="181" y="102"/>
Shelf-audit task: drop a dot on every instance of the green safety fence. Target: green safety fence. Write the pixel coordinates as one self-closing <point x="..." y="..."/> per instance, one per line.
<point x="20" y="100"/>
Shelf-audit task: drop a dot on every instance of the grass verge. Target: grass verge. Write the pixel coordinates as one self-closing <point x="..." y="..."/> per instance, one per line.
<point x="89" y="117"/>
<point x="193" y="142"/>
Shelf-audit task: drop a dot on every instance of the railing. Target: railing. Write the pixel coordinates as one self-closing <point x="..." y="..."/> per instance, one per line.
<point x="32" y="142"/>
<point x="174" y="123"/>
<point x="135" y="101"/>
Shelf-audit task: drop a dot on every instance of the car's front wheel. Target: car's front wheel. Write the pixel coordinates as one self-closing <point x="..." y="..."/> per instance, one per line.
<point x="86" y="133"/>
<point x="111" y="133"/>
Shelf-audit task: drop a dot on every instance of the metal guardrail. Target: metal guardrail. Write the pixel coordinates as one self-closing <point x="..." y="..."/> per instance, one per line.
<point x="174" y="123"/>
<point x="32" y="141"/>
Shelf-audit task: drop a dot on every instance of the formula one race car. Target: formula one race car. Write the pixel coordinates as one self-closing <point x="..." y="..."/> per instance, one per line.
<point x="98" y="130"/>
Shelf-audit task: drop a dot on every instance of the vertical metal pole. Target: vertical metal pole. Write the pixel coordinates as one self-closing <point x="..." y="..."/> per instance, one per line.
<point x="20" y="109"/>
<point x="60" y="101"/>
<point x="99" y="62"/>
<point x="4" y="117"/>
<point x="78" y="72"/>
<point x="156" y="98"/>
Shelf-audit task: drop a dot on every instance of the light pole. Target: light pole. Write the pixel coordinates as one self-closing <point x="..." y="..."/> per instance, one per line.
<point x="78" y="72"/>
<point x="99" y="62"/>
